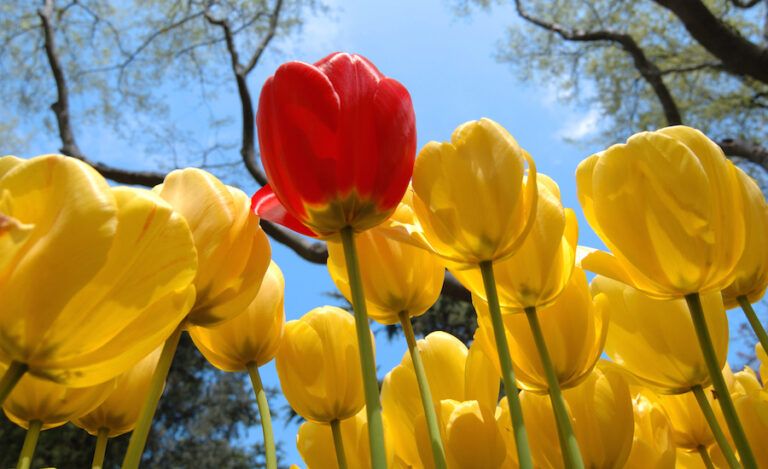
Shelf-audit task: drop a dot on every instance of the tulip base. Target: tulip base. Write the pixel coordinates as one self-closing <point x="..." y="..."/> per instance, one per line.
<point x="30" y="443"/>
<point x="709" y="416"/>
<point x="505" y="360"/>
<point x="102" y="437"/>
<point x="11" y="377"/>
<point x="568" y="443"/>
<point x="338" y="444"/>
<point x="264" y="415"/>
<point x="705" y="457"/>
<point x="754" y="321"/>
<point x="438" y="452"/>
<point x="141" y="431"/>
<point x="365" y="345"/>
<point x="715" y="374"/>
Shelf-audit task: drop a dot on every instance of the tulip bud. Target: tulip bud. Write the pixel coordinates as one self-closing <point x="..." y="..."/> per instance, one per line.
<point x="251" y="337"/>
<point x="601" y="414"/>
<point x="397" y="277"/>
<point x="667" y="205"/>
<point x="116" y="266"/>
<point x="574" y="329"/>
<point x="655" y="339"/>
<point x="471" y="433"/>
<point x="319" y="366"/>
<point x="540" y="270"/>
<point x="689" y="427"/>
<point x="34" y="399"/>
<point x="337" y="141"/>
<point x="652" y="445"/>
<point x="233" y="252"/>
<point x="119" y="412"/>
<point x="752" y="270"/>
<point x="751" y="402"/>
<point x="472" y="196"/>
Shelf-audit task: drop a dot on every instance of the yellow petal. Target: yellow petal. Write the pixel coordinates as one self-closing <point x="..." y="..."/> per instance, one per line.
<point x="251" y="337"/>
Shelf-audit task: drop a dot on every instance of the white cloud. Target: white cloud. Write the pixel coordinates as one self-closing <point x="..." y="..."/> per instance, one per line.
<point x="580" y="126"/>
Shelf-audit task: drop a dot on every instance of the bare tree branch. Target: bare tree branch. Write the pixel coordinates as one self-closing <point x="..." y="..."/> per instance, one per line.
<point x="647" y="69"/>
<point x="273" y="18"/>
<point x="745" y="4"/>
<point x="738" y="55"/>
<point x="749" y="151"/>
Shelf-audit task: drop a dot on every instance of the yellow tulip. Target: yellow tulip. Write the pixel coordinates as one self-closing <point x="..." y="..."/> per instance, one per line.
<point x="752" y="270"/>
<point x="689" y="427"/>
<point x="602" y="418"/>
<point x="251" y="337"/>
<point x="397" y="277"/>
<point x="540" y="270"/>
<point x="655" y="339"/>
<point x="315" y="444"/>
<point x="453" y="373"/>
<point x="51" y="404"/>
<point x="472" y="434"/>
<point x="751" y="401"/>
<point x="319" y="367"/>
<point x="667" y="204"/>
<point x="115" y="266"/>
<point x="233" y="252"/>
<point x="118" y="413"/>
<point x="652" y="445"/>
<point x="472" y="197"/>
<point x="574" y="329"/>
<point x="763" y="358"/>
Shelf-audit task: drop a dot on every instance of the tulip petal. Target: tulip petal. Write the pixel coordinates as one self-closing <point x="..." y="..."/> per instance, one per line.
<point x="267" y="206"/>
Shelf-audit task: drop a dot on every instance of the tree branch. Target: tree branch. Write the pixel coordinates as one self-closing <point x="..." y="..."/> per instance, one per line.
<point x="750" y="151"/>
<point x="273" y="20"/>
<point x="647" y="69"/>
<point x="248" y="146"/>
<point x="738" y="55"/>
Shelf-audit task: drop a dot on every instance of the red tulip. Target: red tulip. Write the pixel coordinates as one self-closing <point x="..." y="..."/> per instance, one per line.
<point x="337" y="141"/>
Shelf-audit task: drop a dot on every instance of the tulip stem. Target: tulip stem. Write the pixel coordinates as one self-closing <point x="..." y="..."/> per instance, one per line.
<point x="568" y="443"/>
<point x="10" y="378"/>
<point x="438" y="453"/>
<point x="365" y="345"/>
<point x="141" y="431"/>
<point x="709" y="415"/>
<point x="754" y="321"/>
<point x="101" y="448"/>
<point x="338" y="444"/>
<point x="705" y="457"/>
<point x="30" y="443"/>
<point x="715" y="374"/>
<point x="507" y="373"/>
<point x="264" y="415"/>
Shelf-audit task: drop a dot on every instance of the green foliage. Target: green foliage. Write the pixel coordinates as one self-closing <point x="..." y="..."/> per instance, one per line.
<point x="202" y="421"/>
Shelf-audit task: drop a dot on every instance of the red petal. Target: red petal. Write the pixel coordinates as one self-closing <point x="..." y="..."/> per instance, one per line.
<point x="267" y="206"/>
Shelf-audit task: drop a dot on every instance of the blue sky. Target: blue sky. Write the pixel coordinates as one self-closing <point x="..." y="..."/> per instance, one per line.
<point x="447" y="63"/>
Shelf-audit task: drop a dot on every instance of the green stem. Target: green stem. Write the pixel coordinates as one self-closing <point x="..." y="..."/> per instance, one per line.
<point x="101" y="448"/>
<point x="266" y="418"/>
<point x="507" y="373"/>
<point x="30" y="443"/>
<point x="365" y="345"/>
<point x="141" y="431"/>
<point x="438" y="453"/>
<point x="715" y="374"/>
<point x="338" y="444"/>
<point x="705" y="457"/>
<point x="10" y="378"/>
<point x="709" y="416"/>
<point x="754" y="321"/>
<point x="568" y="443"/>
